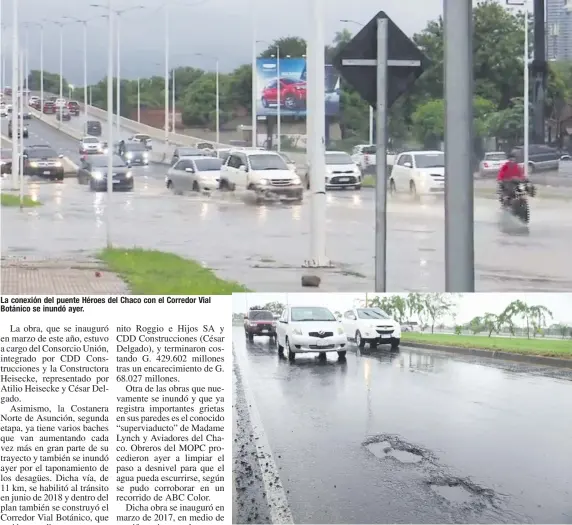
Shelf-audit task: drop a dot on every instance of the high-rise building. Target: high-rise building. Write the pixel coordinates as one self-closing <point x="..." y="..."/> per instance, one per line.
<point x="558" y="29"/>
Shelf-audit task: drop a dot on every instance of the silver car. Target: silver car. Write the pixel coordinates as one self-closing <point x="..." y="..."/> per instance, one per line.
<point x="492" y="163"/>
<point x="194" y="174"/>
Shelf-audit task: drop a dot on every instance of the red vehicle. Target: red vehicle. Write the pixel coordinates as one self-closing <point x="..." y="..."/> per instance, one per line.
<point x="35" y="104"/>
<point x="292" y="94"/>
<point x="49" y="108"/>
<point x="73" y="108"/>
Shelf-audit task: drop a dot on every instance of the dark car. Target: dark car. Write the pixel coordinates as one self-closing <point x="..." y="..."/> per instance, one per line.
<point x="259" y="322"/>
<point x="180" y="153"/>
<point x="133" y="153"/>
<point x="73" y="108"/>
<point x="49" y="107"/>
<point x="63" y="114"/>
<point x="10" y="132"/>
<point x="43" y="161"/>
<point x="540" y="157"/>
<point x="93" y="128"/>
<point x="27" y="115"/>
<point x="93" y="171"/>
<point x="6" y="160"/>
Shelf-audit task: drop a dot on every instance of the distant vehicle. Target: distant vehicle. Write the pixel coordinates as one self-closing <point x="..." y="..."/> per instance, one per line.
<point x="61" y="103"/>
<point x="205" y="145"/>
<point x="93" y="128"/>
<point x="540" y="157"/>
<point x="341" y="172"/>
<point x="194" y="174"/>
<point x="310" y="329"/>
<point x="8" y="91"/>
<point x="184" y="152"/>
<point x="73" y="108"/>
<point x="24" y="130"/>
<point x="93" y="171"/>
<point x="6" y="160"/>
<point x="43" y="161"/>
<point x="410" y="326"/>
<point x="492" y="163"/>
<point x="3" y="110"/>
<point x="292" y="94"/>
<point x="263" y="172"/>
<point x="63" y="114"/>
<point x="144" y="139"/>
<point x="49" y="108"/>
<point x="372" y="326"/>
<point x="419" y="173"/>
<point x="27" y="115"/>
<point x="259" y="322"/>
<point x="365" y="156"/>
<point x="134" y="153"/>
<point x="90" y="145"/>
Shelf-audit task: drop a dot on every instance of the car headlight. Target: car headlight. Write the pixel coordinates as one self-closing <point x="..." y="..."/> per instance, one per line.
<point x="297" y="331"/>
<point x="341" y="330"/>
<point x="146" y="155"/>
<point x="327" y="179"/>
<point x="97" y="175"/>
<point x="264" y="182"/>
<point x="129" y="155"/>
<point x="296" y="180"/>
<point x="128" y="175"/>
<point x="33" y="164"/>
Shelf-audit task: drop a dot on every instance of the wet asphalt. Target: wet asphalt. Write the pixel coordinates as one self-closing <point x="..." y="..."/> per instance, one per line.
<point x="264" y="246"/>
<point x="400" y="437"/>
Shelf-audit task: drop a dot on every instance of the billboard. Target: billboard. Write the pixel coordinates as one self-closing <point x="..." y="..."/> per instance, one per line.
<point x="292" y="87"/>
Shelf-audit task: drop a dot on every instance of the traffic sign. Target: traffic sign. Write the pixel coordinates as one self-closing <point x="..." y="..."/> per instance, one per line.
<point x="356" y="62"/>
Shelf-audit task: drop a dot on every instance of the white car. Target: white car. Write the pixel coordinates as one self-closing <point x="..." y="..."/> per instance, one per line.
<point x="194" y="174"/>
<point x="310" y="329"/>
<point x="142" y="137"/>
<point x="418" y="173"/>
<point x="364" y="155"/>
<point x="32" y="100"/>
<point x="89" y="145"/>
<point x="372" y="326"/>
<point x="61" y="103"/>
<point x="341" y="172"/>
<point x="3" y="110"/>
<point x="263" y="172"/>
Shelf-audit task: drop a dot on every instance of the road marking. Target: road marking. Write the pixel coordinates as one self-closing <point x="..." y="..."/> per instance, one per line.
<point x="280" y="512"/>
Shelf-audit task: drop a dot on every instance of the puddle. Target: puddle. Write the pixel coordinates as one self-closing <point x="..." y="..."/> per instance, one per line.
<point x="453" y="493"/>
<point x="384" y="450"/>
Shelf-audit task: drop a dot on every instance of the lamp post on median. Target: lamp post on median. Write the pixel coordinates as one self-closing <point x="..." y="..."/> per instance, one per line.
<point x="61" y="94"/>
<point x="346" y="21"/>
<point x="41" y="26"/>
<point x="217" y="94"/>
<point x="278" y="94"/>
<point x="15" y="77"/>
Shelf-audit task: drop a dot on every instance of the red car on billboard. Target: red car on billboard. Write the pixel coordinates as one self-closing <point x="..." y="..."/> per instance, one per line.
<point x="292" y="93"/>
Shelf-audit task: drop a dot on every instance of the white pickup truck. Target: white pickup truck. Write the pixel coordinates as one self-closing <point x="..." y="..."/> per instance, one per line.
<point x="365" y="156"/>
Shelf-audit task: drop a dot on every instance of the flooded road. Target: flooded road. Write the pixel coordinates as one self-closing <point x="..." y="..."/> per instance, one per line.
<point x="264" y="246"/>
<point x="400" y="437"/>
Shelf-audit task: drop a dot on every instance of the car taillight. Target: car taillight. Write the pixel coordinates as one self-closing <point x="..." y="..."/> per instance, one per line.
<point x="366" y="159"/>
<point x="485" y="164"/>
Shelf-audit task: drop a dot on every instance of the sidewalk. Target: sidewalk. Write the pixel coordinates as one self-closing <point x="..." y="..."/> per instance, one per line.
<point x="58" y="277"/>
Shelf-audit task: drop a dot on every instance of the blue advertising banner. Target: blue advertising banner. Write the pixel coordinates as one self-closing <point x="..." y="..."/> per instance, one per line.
<point x="292" y="81"/>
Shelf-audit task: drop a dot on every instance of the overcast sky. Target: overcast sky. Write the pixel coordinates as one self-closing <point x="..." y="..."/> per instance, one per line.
<point x="216" y="27"/>
<point x="469" y="305"/>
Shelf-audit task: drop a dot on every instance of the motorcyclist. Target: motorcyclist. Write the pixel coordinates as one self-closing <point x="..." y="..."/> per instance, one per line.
<point x="509" y="172"/>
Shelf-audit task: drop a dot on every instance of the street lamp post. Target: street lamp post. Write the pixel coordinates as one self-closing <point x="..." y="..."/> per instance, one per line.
<point x="278" y="94"/>
<point x="15" y="77"/>
<point x="167" y="72"/>
<point x="346" y="21"/>
<point x="138" y="99"/>
<point x="173" y="109"/>
<point x="217" y="93"/>
<point x="61" y="95"/>
<point x="41" y="26"/>
<point x="110" y="149"/>
<point x="254" y="78"/>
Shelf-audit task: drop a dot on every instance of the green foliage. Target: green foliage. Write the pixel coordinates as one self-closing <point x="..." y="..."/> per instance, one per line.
<point x="51" y="82"/>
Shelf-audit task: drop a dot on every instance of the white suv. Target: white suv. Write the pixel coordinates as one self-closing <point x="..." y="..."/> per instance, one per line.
<point x="373" y="326"/>
<point x="264" y="172"/>
<point x="419" y="173"/>
<point x="310" y="329"/>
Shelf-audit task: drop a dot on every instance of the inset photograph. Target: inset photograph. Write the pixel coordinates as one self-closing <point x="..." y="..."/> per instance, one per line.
<point x="402" y="408"/>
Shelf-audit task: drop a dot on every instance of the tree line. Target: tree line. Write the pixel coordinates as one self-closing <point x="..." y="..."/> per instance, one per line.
<point x="433" y="310"/>
<point x="417" y="117"/>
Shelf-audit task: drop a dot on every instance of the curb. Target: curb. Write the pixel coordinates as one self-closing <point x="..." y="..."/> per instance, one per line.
<point x="494" y="354"/>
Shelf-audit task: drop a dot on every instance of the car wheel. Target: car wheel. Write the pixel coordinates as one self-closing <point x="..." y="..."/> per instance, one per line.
<point x="392" y="188"/>
<point x="291" y="355"/>
<point x="357" y="187"/>
<point x="290" y="102"/>
<point x="395" y="344"/>
<point x="251" y="337"/>
<point x="531" y="167"/>
<point x="169" y="184"/>
<point x="342" y="354"/>
<point x="196" y="186"/>
<point x="264" y="103"/>
<point x="280" y="348"/>
<point x="307" y="183"/>
<point x="412" y="189"/>
<point x="359" y="341"/>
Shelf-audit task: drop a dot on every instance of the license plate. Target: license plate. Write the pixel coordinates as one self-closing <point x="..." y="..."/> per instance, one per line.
<point x="46" y="172"/>
<point x="344" y="179"/>
<point x="385" y="336"/>
<point x="322" y="344"/>
<point x="263" y="331"/>
<point x="116" y="182"/>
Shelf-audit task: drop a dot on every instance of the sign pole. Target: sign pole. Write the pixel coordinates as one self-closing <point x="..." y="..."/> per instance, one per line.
<point x="381" y="155"/>
<point x="459" y="186"/>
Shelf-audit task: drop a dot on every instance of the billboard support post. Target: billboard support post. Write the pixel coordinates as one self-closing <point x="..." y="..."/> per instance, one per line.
<point x="381" y="155"/>
<point x="279" y="101"/>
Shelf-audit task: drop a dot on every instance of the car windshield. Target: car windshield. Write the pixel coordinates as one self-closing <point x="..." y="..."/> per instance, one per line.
<point x="260" y="315"/>
<point x="495" y="156"/>
<point x="430" y="160"/>
<point x="286" y="158"/>
<point x="371" y="313"/>
<point x="135" y="147"/>
<point x="208" y="164"/>
<point x="369" y="150"/>
<point x="311" y="313"/>
<point x="40" y="153"/>
<point x="100" y="161"/>
<point x="338" y="158"/>
<point x="91" y="140"/>
<point x="142" y="137"/>
<point x="267" y="162"/>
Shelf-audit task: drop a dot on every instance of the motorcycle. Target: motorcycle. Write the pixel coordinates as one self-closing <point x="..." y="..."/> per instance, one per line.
<point x="515" y="199"/>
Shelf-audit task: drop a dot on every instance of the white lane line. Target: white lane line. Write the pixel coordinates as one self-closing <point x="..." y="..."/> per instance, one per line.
<point x="280" y="512"/>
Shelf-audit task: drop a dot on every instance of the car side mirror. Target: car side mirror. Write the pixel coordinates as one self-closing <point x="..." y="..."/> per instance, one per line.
<point x="408" y="165"/>
<point x="242" y="168"/>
